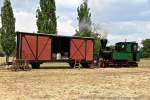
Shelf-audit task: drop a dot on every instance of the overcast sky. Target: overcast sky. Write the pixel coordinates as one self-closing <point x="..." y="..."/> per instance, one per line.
<point x="122" y="19"/>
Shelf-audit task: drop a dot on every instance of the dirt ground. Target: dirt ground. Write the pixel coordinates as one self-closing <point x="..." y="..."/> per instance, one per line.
<point x="74" y="84"/>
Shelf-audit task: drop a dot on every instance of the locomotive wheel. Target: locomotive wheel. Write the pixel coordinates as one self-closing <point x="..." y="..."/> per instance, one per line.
<point x="102" y="64"/>
<point x="133" y="64"/>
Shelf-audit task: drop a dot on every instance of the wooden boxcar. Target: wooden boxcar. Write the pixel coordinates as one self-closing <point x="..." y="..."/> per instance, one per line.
<point x="40" y="48"/>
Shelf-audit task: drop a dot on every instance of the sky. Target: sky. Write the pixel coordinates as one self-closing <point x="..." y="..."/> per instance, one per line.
<point x="122" y="19"/>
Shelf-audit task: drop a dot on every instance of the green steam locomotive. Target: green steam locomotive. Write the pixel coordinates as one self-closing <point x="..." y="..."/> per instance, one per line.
<point x="124" y="54"/>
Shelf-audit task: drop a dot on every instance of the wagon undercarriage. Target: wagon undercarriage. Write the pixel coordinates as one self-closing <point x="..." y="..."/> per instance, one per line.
<point x="20" y="65"/>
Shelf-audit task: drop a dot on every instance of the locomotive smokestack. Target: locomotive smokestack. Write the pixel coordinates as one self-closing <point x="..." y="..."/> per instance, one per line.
<point x="104" y="43"/>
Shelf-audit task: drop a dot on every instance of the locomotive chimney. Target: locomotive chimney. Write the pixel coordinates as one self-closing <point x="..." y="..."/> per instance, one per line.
<point x="104" y="43"/>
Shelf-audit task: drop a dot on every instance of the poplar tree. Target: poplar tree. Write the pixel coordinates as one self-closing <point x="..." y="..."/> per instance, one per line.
<point x="8" y="40"/>
<point x="46" y="17"/>
<point x="84" y="20"/>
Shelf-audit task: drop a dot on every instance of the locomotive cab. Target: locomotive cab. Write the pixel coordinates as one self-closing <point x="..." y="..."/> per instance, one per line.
<point x="126" y="47"/>
<point x="120" y="47"/>
<point x="126" y="51"/>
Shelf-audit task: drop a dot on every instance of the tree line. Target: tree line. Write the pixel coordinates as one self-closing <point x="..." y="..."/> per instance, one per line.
<point x="47" y="23"/>
<point x="145" y="50"/>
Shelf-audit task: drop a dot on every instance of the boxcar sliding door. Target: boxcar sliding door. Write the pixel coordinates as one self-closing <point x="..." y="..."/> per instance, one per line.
<point x="35" y="47"/>
<point x="77" y="49"/>
<point x="28" y="47"/>
<point x="44" y="48"/>
<point x="81" y="49"/>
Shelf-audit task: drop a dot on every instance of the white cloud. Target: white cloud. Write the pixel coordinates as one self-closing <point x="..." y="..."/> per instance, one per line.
<point x="129" y="30"/>
<point x="0" y="23"/>
<point x="1" y="2"/>
<point x="25" y="21"/>
<point x="99" y="6"/>
<point x="68" y="3"/>
<point x="134" y="37"/>
<point x="66" y="28"/>
<point x="145" y="13"/>
<point x="141" y="1"/>
<point x="102" y="13"/>
<point x="147" y="28"/>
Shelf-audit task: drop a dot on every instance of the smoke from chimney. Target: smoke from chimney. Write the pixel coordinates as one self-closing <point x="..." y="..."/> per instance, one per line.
<point x="101" y="31"/>
<point x="84" y="25"/>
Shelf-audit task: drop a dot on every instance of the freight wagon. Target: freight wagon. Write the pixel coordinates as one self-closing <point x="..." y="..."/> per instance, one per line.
<point x="40" y="48"/>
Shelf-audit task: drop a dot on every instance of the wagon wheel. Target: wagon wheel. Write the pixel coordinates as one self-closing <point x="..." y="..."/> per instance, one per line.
<point x="17" y="67"/>
<point x="72" y="64"/>
<point x="22" y="65"/>
<point x="27" y="67"/>
<point x="14" y="66"/>
<point x="24" y="68"/>
<point x="85" y="65"/>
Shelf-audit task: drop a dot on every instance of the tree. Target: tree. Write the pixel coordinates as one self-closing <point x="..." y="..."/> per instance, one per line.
<point x="84" y="18"/>
<point x="85" y="26"/>
<point x="146" y="48"/>
<point x="1" y="50"/>
<point x="8" y="29"/>
<point x="46" y="17"/>
<point x="97" y="45"/>
<point x="97" y="37"/>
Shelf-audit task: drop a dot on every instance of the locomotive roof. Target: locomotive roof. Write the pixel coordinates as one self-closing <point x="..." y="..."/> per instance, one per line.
<point x="54" y="35"/>
<point x="126" y="43"/>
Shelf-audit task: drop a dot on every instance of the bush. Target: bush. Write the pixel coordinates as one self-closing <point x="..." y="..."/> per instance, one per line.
<point x="2" y="54"/>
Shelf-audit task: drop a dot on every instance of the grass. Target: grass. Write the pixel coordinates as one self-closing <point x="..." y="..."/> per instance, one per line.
<point x="74" y="84"/>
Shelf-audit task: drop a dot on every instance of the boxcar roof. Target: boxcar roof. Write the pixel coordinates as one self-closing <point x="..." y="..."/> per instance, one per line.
<point x="54" y="35"/>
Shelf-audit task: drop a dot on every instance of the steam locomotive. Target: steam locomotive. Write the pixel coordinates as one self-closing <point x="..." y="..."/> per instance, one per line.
<point x="124" y="54"/>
